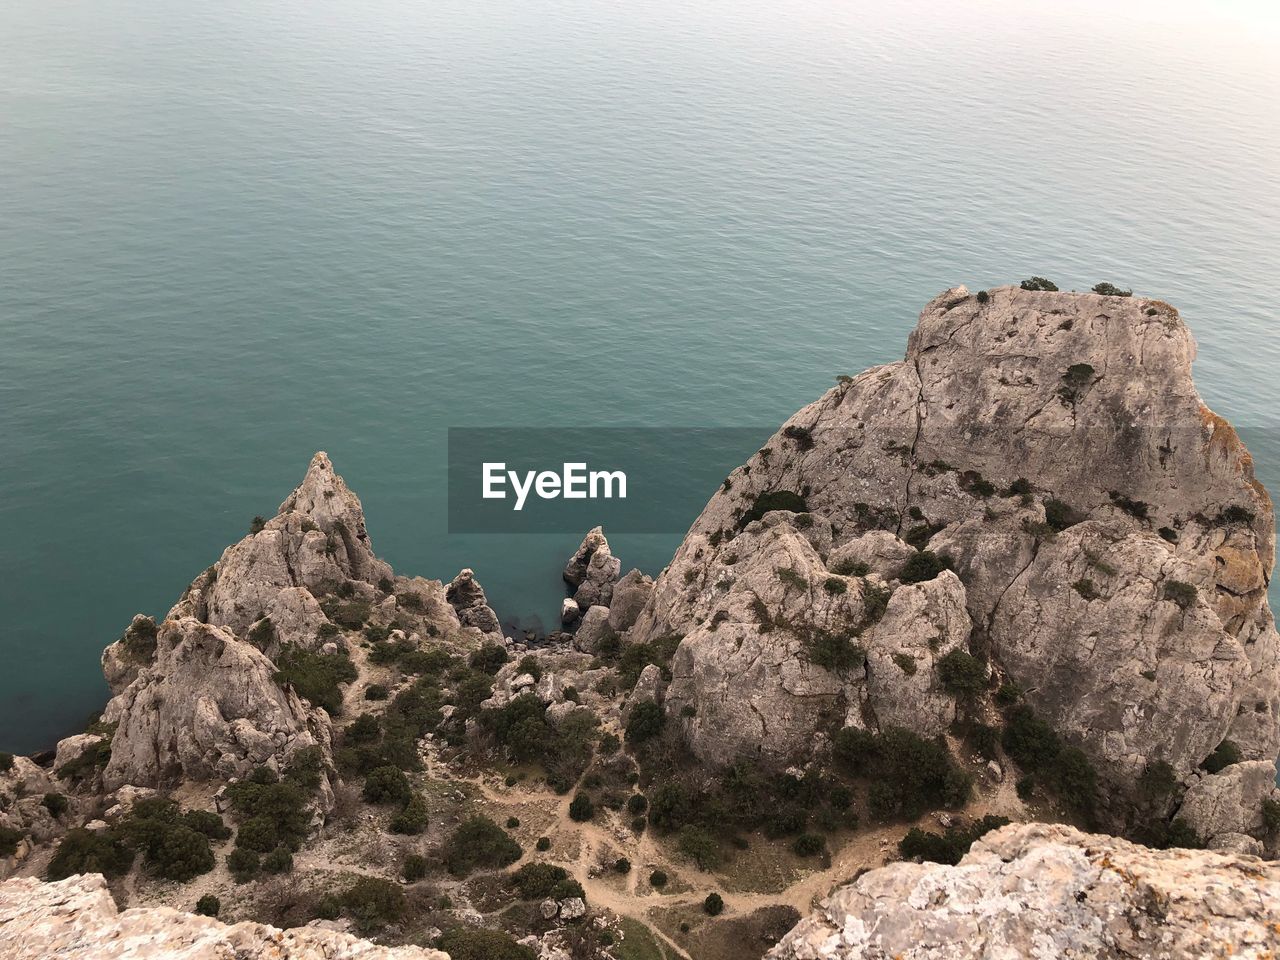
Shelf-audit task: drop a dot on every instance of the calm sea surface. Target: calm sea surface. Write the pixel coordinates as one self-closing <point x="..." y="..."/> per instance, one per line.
<point x="234" y="233"/>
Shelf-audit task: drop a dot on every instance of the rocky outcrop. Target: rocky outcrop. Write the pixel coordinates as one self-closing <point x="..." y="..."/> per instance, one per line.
<point x="1230" y="802"/>
<point x="22" y="809"/>
<point x="316" y="541"/>
<point x="783" y="650"/>
<point x="630" y="594"/>
<point x="467" y="598"/>
<point x="207" y="706"/>
<point x="1112" y="542"/>
<point x="1036" y="890"/>
<point x="77" y="919"/>
<point x="593" y="570"/>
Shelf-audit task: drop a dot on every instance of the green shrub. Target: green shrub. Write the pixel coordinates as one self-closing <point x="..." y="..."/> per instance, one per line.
<point x="983" y="296"/>
<point x="1183" y="594"/>
<point x="376" y="691"/>
<point x="1060" y="515"/>
<point x="622" y="865"/>
<point x="315" y="676"/>
<point x="850" y="568"/>
<point x="910" y="775"/>
<point x="658" y="879"/>
<point x="139" y="641"/>
<point x="477" y="943"/>
<point x="372" y="903"/>
<point x="87" y="764"/>
<point x="1111" y="290"/>
<point x="488" y="659"/>
<point x="1135" y="508"/>
<point x="776" y="500"/>
<point x="6" y="762"/>
<point x="540" y="881"/>
<point x="1036" y="747"/>
<point x="1271" y="815"/>
<point x="636" y="656"/>
<point x="1074" y="382"/>
<point x="387" y="785"/>
<point x="208" y="823"/>
<point x="522" y="728"/>
<point x="1008" y="694"/>
<point x="1181" y="834"/>
<point x="208" y="905"/>
<point x="1025" y="788"/>
<point x="644" y="722"/>
<point x="243" y="864"/>
<point x="262" y="634"/>
<point x="835" y="586"/>
<point x="983" y="738"/>
<point x="86" y="851"/>
<point x="1039" y="283"/>
<point x="581" y="808"/>
<point x="700" y="847"/>
<point x="922" y="566"/>
<point x="284" y="804"/>
<point x="713" y="906"/>
<point x="636" y="803"/>
<point x="950" y="846"/>
<point x="414" y="867"/>
<point x="531" y="666"/>
<point x="543" y="844"/>
<point x="1158" y="780"/>
<point x="478" y="842"/>
<point x="1223" y="756"/>
<point x="808" y="845"/>
<point x="1086" y="589"/>
<point x="346" y="613"/>
<point x="906" y="663"/>
<point x="55" y="803"/>
<point x="962" y="674"/>
<point x="412" y="819"/>
<point x="9" y="840"/>
<point x="834" y="651"/>
<point x="279" y="860"/>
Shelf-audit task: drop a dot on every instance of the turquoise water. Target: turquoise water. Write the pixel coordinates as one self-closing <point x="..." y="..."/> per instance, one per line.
<point x="232" y="234"/>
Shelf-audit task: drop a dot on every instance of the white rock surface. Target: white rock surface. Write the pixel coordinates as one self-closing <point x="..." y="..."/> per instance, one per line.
<point x="1050" y="892"/>
<point x="76" y="919"/>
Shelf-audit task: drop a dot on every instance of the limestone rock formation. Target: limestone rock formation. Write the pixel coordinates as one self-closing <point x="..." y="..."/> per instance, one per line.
<point x="630" y="594"/>
<point x="1035" y="890"/>
<point x="207" y="706"/>
<point x="22" y="789"/>
<point x="1113" y="544"/>
<point x="593" y="570"/>
<point x="1230" y="802"/>
<point x="466" y="596"/>
<point x="317" y="541"/>
<point x="783" y="650"/>
<point x="76" y="919"/>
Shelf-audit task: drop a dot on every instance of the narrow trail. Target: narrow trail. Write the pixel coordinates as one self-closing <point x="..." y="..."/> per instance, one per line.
<point x="598" y="843"/>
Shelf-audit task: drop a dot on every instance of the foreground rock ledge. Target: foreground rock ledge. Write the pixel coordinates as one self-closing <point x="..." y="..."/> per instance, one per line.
<point x="76" y="919"/>
<point x="1049" y="891"/>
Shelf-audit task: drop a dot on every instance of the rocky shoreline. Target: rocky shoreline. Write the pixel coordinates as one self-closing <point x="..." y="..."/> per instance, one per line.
<point x="1020" y="575"/>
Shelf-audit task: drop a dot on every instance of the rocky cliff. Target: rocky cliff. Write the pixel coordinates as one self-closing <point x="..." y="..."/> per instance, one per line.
<point x="1110" y="545"/>
<point x="77" y="919"/>
<point x="1037" y="890"/>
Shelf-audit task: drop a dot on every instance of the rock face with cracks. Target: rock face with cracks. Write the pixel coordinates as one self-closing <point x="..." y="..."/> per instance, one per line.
<point x="1035" y="890"/>
<point x="77" y="919"/>
<point x="1112" y="545"/>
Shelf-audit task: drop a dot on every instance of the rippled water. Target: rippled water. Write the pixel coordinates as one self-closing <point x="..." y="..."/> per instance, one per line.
<point x="234" y="233"/>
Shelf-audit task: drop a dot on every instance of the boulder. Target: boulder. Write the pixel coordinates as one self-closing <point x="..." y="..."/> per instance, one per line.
<point x="1230" y="801"/>
<point x="630" y="594"/>
<point x="1040" y="890"/>
<point x="593" y="628"/>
